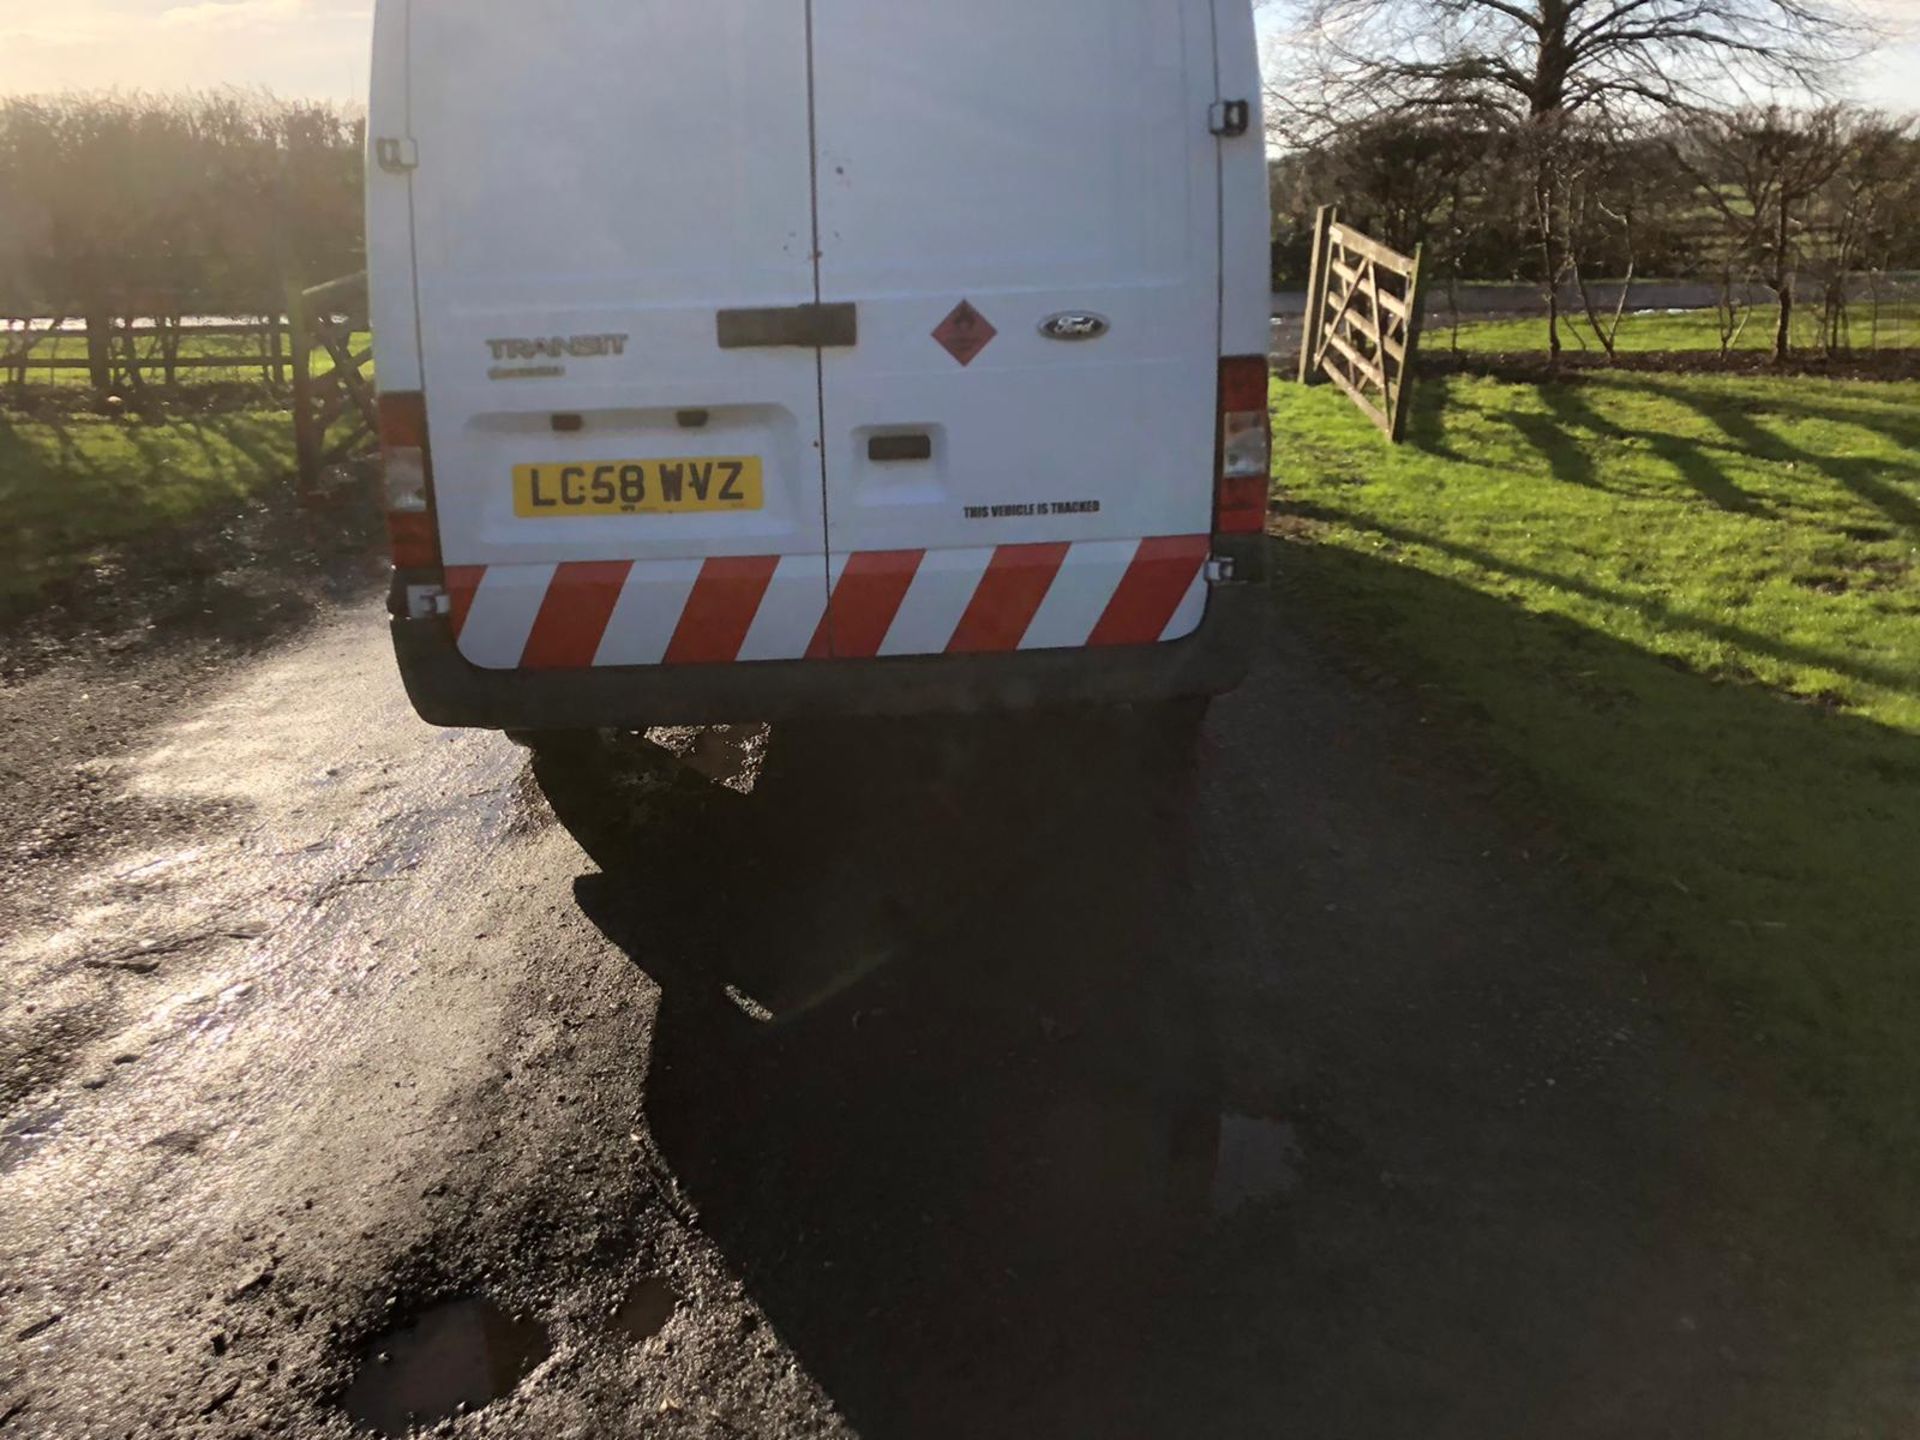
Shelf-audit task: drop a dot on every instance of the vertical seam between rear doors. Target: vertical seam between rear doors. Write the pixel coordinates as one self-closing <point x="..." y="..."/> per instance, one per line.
<point x="819" y="352"/>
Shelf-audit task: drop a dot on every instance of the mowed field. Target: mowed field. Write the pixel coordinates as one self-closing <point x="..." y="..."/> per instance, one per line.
<point x="1678" y="618"/>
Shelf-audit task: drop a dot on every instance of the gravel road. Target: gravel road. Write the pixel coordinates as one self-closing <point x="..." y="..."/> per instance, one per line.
<point x="912" y="1080"/>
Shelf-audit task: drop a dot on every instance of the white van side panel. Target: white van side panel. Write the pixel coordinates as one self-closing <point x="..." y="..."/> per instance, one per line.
<point x="1031" y="158"/>
<point x="1246" y="268"/>
<point x="390" y="277"/>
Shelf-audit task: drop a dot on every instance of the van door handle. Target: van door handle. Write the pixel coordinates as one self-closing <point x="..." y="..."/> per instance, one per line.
<point x="814" y="327"/>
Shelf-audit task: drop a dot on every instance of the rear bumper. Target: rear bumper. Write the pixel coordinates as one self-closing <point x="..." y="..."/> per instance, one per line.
<point x="446" y="690"/>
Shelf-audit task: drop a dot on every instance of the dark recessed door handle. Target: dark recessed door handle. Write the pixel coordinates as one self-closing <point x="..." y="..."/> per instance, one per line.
<point x="900" y="447"/>
<point x="814" y="327"/>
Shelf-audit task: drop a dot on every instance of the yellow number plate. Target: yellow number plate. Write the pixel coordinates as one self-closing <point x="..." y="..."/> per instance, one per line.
<point x="638" y="487"/>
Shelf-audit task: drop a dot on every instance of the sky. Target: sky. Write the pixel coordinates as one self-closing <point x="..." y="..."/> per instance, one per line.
<point x="296" y="48"/>
<point x="319" y="47"/>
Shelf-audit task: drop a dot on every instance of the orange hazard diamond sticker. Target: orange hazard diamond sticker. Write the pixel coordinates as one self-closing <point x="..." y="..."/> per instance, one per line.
<point x="965" y="333"/>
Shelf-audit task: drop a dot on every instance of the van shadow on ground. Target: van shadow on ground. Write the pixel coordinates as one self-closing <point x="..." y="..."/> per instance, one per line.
<point x="1059" y="1097"/>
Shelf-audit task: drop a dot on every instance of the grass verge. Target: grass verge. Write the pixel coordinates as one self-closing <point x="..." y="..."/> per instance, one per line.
<point x="72" y="486"/>
<point x="1687" y="608"/>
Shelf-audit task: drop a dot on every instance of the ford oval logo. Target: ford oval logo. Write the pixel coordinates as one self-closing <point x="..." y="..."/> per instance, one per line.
<point x="1074" y="325"/>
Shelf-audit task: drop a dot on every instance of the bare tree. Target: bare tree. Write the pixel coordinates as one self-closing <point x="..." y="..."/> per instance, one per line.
<point x="1536" y="67"/>
<point x="1856" y="209"/>
<point x="1733" y="301"/>
<point x="1532" y="59"/>
<point x="1595" y="203"/>
<point x="1760" y="170"/>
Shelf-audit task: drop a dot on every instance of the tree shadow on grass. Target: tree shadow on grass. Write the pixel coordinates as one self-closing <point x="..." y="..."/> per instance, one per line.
<point x="1561" y="436"/>
<point x="1558" y="439"/>
<point x="1892" y="417"/>
<point x="1696" y="464"/>
<point x="66" y="489"/>
<point x="151" y="533"/>
<point x="1648" y="605"/>
<point x="1865" y="477"/>
<point x="1560" y="445"/>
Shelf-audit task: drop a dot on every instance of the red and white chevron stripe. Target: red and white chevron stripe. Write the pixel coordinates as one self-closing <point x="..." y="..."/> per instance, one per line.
<point x="892" y="602"/>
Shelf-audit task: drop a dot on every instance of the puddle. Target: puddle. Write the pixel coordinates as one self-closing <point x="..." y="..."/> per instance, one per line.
<point x="454" y="1359"/>
<point x="646" y="1310"/>
<point x="1257" y="1160"/>
<point x="20" y="1138"/>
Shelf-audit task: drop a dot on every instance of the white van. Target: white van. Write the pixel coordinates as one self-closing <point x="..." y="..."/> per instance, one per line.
<point x="744" y="359"/>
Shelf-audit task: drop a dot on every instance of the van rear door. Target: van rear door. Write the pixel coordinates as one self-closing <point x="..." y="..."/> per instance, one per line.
<point x="1022" y="198"/>
<point x="595" y="184"/>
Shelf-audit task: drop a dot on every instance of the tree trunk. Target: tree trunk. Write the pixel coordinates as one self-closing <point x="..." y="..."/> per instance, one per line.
<point x="1547" y="218"/>
<point x="1783" y="287"/>
<point x="169" y="325"/>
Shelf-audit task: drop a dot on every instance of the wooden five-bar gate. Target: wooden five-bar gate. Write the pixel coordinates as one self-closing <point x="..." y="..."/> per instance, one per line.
<point x="334" y="412"/>
<point x="1363" y="321"/>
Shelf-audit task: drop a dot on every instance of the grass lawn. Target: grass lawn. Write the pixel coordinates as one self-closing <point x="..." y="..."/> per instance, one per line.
<point x="71" y="487"/>
<point x="1686" y="611"/>
<point x="1898" y="326"/>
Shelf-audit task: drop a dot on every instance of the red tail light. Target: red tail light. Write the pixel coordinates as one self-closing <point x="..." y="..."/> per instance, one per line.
<point x="1246" y="447"/>
<point x="408" y="461"/>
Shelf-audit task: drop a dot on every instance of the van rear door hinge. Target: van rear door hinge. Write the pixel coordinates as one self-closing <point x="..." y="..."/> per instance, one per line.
<point x="396" y="154"/>
<point x="1230" y="118"/>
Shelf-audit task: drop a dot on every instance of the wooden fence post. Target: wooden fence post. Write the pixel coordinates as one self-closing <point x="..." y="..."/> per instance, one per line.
<point x="1416" y="303"/>
<point x="99" y="323"/>
<point x="130" y="347"/>
<point x="1324" y="219"/>
<point x="306" y="437"/>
